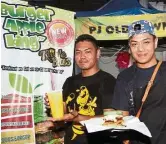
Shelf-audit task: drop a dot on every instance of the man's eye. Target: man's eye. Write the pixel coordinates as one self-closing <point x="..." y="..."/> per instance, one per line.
<point x="77" y="53"/>
<point x="146" y="42"/>
<point x="133" y="44"/>
<point x="88" y="51"/>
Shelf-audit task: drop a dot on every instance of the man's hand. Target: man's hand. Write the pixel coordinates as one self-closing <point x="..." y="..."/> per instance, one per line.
<point x="47" y="105"/>
<point x="67" y="117"/>
<point x="46" y="101"/>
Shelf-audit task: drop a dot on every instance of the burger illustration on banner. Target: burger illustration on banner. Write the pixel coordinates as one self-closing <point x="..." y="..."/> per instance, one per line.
<point x="60" y="33"/>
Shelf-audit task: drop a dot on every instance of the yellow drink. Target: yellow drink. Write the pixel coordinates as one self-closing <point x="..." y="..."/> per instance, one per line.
<point x="56" y="104"/>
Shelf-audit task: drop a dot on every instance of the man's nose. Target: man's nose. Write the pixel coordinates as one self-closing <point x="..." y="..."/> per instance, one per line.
<point x="140" y="47"/>
<point x="82" y="55"/>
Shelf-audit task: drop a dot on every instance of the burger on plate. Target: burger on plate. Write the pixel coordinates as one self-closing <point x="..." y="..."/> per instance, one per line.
<point x="113" y="120"/>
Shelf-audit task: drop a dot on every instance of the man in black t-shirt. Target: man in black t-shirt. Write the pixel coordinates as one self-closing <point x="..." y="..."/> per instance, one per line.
<point x="87" y="94"/>
<point x="131" y="84"/>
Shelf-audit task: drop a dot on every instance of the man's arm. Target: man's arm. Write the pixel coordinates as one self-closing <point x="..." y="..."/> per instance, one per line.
<point x="73" y="115"/>
<point x="107" y="90"/>
<point x="111" y="93"/>
<point x="76" y="117"/>
<point x="120" y="97"/>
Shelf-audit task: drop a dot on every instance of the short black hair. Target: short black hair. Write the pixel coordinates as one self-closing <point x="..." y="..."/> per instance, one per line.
<point x="87" y="37"/>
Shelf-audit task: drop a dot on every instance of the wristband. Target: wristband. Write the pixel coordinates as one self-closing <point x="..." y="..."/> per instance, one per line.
<point x="74" y="113"/>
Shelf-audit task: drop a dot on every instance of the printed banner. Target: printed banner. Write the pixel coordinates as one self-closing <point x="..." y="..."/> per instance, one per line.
<point x="37" y="46"/>
<point x="23" y="136"/>
<point x="116" y="27"/>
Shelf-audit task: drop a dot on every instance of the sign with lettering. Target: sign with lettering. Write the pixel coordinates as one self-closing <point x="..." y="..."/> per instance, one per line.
<point x="37" y="46"/>
<point x="116" y="27"/>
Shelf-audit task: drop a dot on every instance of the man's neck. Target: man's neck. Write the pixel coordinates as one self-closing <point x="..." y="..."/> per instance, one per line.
<point x="147" y="65"/>
<point x="86" y="73"/>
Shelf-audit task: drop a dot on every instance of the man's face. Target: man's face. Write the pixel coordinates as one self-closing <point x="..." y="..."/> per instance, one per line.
<point x="142" y="48"/>
<point x="86" y="55"/>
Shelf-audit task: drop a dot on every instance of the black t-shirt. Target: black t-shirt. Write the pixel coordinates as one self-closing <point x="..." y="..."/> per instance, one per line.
<point x="140" y="80"/>
<point x="154" y="109"/>
<point x="89" y="96"/>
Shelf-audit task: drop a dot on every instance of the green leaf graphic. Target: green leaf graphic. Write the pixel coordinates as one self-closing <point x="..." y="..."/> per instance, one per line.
<point x="38" y="86"/>
<point x="20" y="83"/>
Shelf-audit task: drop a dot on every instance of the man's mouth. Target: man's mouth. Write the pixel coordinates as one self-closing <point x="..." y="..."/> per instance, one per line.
<point x="83" y="62"/>
<point x="142" y="55"/>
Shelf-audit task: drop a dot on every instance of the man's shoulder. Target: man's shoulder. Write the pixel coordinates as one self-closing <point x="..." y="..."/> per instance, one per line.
<point x="74" y="77"/>
<point x="164" y="65"/>
<point x="106" y="74"/>
<point x="163" y="68"/>
<point x="71" y="80"/>
<point x="127" y="74"/>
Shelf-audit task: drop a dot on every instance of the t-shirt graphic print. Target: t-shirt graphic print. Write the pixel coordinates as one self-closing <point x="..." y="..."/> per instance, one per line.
<point x="86" y="106"/>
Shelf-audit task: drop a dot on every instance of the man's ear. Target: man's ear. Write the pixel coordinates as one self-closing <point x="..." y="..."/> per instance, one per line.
<point x="129" y="51"/>
<point x="156" y="42"/>
<point x="98" y="53"/>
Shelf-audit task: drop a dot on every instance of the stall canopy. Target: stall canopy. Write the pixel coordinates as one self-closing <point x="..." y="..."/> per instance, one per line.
<point x="111" y="21"/>
<point x="153" y="8"/>
<point x="118" y="7"/>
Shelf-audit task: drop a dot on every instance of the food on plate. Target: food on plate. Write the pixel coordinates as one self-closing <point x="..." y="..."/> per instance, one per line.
<point x="114" y="112"/>
<point x="113" y="120"/>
